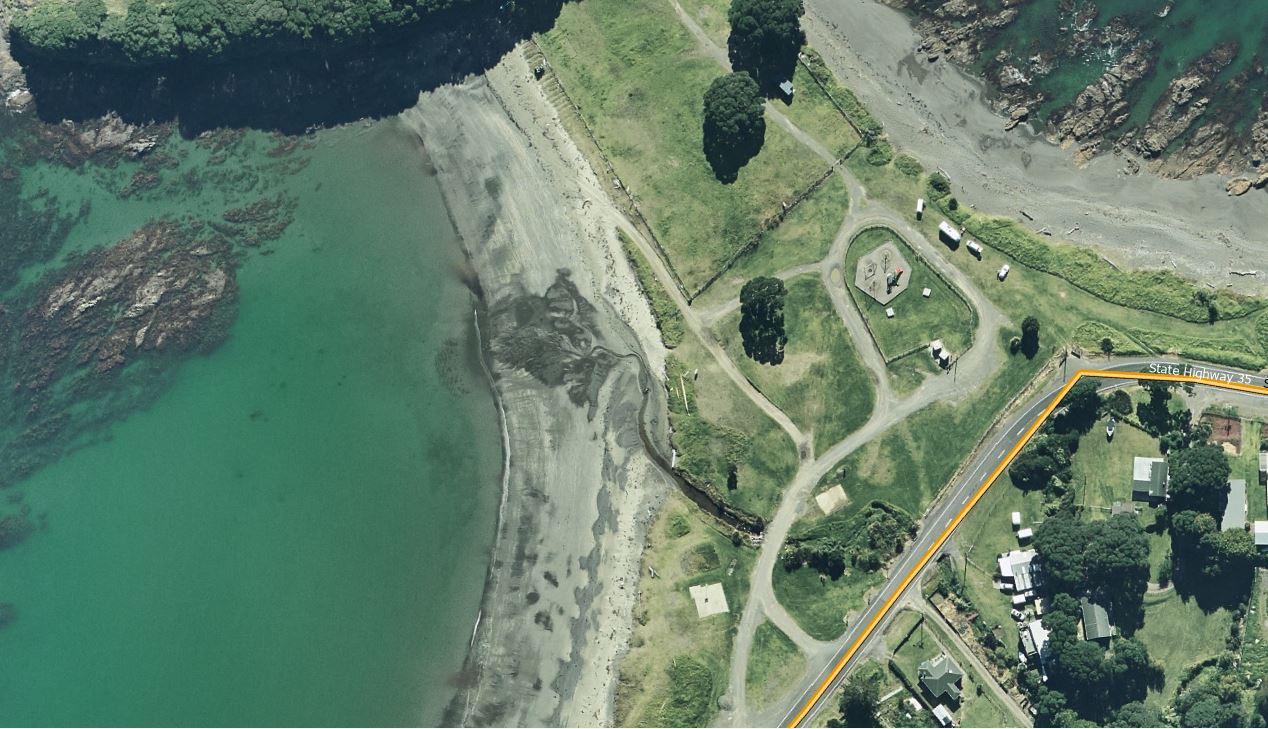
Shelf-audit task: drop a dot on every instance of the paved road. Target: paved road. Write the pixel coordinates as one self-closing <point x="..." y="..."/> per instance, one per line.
<point x="941" y="514"/>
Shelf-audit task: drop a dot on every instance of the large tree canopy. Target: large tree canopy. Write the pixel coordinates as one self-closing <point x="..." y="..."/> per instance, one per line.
<point x="766" y="37"/>
<point x="762" y="319"/>
<point x="734" y="124"/>
<point x="860" y="698"/>
<point x="1199" y="479"/>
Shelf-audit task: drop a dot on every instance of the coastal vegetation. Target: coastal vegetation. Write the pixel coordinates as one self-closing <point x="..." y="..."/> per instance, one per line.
<point x="677" y="663"/>
<point x="819" y="358"/>
<point x="146" y="32"/>
<point x="668" y="318"/>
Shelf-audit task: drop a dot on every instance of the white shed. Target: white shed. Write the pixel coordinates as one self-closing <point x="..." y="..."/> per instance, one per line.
<point x="948" y="233"/>
<point x="920" y="208"/>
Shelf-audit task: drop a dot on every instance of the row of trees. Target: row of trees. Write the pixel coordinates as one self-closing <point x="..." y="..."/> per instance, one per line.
<point x="164" y="32"/>
<point x="765" y="39"/>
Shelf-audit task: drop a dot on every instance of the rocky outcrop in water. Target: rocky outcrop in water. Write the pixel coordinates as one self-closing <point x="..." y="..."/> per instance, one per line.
<point x="1196" y="128"/>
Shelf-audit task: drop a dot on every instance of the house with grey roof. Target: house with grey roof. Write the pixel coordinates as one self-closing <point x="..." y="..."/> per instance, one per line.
<point x="1235" y="510"/>
<point x="941" y="677"/>
<point x="1149" y="479"/>
<point x="1096" y="622"/>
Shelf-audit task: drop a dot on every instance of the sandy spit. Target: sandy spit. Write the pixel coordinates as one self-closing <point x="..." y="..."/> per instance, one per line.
<point x="938" y="113"/>
<point x="580" y="489"/>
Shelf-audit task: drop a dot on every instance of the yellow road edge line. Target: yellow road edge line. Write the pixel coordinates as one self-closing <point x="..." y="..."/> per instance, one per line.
<point x="977" y="495"/>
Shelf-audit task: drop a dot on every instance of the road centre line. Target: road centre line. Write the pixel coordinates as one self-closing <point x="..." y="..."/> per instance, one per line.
<point x="972" y="500"/>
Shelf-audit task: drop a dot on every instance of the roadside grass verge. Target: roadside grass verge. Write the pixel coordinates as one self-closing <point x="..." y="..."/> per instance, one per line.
<point x="944" y="315"/>
<point x="639" y="78"/>
<point x="1090" y="336"/>
<point x="905" y="466"/>
<point x="822" y="384"/>
<point x="774" y="665"/>
<point x="668" y="319"/>
<point x="717" y="427"/>
<point x="677" y="665"/>
<point x="1247" y="466"/>
<point x="805" y="237"/>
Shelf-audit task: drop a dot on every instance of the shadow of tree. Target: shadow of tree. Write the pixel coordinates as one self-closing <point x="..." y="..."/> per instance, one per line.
<point x="317" y="86"/>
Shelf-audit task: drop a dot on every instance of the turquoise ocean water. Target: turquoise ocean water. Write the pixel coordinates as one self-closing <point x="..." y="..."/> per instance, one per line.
<point x="297" y="530"/>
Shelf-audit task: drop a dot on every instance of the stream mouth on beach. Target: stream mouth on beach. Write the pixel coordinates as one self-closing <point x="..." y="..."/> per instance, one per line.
<point x="288" y="522"/>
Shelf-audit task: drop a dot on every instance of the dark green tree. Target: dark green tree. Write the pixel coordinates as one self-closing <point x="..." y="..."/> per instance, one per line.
<point x="1119" y="402"/>
<point x="1117" y="564"/>
<point x="734" y="124"/>
<point x="762" y="319"/>
<point x="149" y="35"/>
<point x="1131" y="671"/>
<point x="1082" y="405"/>
<point x="765" y="39"/>
<point x="859" y="702"/>
<point x="1061" y="542"/>
<point x="1030" y="337"/>
<point x="1044" y="458"/>
<point x="1135" y="714"/>
<point x="1199" y="479"/>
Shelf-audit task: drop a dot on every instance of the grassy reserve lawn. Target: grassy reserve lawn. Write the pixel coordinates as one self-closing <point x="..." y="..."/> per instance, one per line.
<point x="677" y="665"/>
<point x="717" y="426"/>
<point x="804" y="237"/>
<point x="1068" y="313"/>
<point x="944" y="315"/>
<point x="639" y="78"/>
<point x="1179" y="634"/>
<point x="774" y="666"/>
<point x="821" y="384"/>
<point x="905" y="466"/>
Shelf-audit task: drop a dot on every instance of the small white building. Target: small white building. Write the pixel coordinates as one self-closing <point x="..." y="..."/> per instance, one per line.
<point x="1025" y="535"/>
<point x="920" y="208"/>
<point x="1016" y="520"/>
<point x="889" y="313"/>
<point x="1261" y="535"/>
<point x="948" y="233"/>
<point x="943" y="715"/>
<point x="935" y="346"/>
<point x="786" y="88"/>
<point x="926" y="292"/>
<point x="944" y="359"/>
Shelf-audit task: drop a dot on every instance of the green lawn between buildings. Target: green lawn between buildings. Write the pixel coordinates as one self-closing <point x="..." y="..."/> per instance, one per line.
<point x="918" y="321"/>
<point x="821" y="384"/>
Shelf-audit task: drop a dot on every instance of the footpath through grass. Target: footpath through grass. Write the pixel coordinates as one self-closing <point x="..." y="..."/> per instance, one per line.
<point x="677" y="665"/>
<point x="945" y="315"/>
<point x="639" y="78"/>
<point x="774" y="665"/>
<point x="822" y="384"/>
<point x="906" y="466"/>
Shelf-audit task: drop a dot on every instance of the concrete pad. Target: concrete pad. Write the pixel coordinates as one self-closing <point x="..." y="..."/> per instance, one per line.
<point x="710" y="599"/>
<point x="889" y="313"/>
<point x="831" y="499"/>
<point x="926" y="292"/>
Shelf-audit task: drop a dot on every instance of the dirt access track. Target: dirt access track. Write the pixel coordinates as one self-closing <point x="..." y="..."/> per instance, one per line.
<point x="1165" y="372"/>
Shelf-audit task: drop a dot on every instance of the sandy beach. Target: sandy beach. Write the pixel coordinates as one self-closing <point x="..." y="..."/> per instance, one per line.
<point x="937" y="113"/>
<point x="567" y="332"/>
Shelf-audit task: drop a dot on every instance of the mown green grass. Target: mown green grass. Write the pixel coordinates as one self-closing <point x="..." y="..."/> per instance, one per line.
<point x="918" y="321"/>
<point x="1162" y="292"/>
<point x="906" y="466"/>
<point x="1102" y="468"/>
<point x="805" y="236"/>
<point x="668" y="318"/>
<point x="1247" y="466"/>
<point x="774" y="665"/>
<point x="639" y="78"/>
<point x="822" y="384"/>
<point x="677" y="665"/>
<point x="716" y="426"/>
<point x="1179" y="634"/>
<point x="1064" y="310"/>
